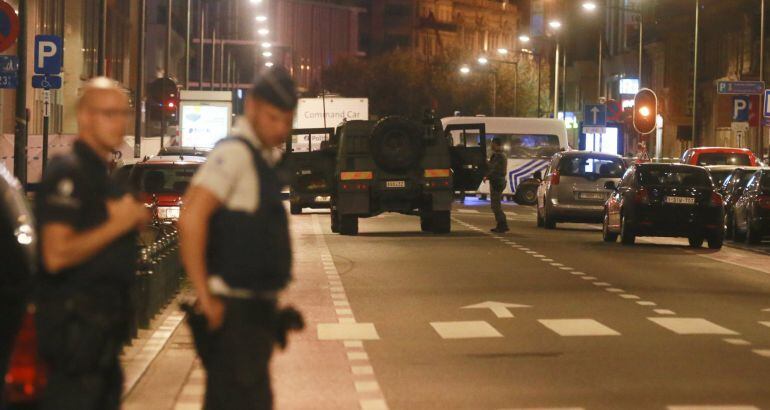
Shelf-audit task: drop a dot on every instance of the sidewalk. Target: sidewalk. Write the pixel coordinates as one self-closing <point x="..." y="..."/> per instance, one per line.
<point x="311" y="374"/>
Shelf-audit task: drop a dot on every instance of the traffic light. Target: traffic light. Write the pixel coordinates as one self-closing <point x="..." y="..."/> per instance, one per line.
<point x="645" y="111"/>
<point x="163" y="101"/>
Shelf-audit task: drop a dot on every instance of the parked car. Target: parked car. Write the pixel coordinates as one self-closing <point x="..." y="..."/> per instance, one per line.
<point x="751" y="212"/>
<point x="573" y="189"/>
<point x="732" y="189"/>
<point x="719" y="156"/>
<point x="665" y="200"/>
<point x="162" y="181"/>
<point x="719" y="173"/>
<point x="18" y="240"/>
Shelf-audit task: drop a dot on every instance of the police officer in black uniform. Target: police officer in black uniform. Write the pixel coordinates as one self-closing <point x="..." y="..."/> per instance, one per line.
<point x="498" y="170"/>
<point x="89" y="250"/>
<point x="236" y="249"/>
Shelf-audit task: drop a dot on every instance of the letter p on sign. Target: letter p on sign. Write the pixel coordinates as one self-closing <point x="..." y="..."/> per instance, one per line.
<point x="49" y="51"/>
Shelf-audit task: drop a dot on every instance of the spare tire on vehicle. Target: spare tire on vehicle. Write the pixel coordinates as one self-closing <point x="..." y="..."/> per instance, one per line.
<point x="397" y="144"/>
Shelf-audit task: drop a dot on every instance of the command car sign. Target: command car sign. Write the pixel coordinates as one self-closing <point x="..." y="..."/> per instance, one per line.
<point x="9" y="26"/>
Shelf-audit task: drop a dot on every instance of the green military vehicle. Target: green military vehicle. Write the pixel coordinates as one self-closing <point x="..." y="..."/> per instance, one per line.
<point x="405" y="166"/>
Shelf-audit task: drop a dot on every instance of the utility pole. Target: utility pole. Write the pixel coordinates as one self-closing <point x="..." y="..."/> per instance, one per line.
<point x="556" y="84"/>
<point x="761" y="127"/>
<point x="101" y="52"/>
<point x="188" y="44"/>
<point x="167" y="72"/>
<point x="641" y="42"/>
<point x="695" y="139"/>
<point x="20" y="131"/>
<point x="202" y="37"/>
<point x="139" y="85"/>
<point x="599" y="93"/>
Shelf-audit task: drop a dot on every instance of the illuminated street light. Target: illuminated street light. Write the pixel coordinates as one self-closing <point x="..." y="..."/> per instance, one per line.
<point x="261" y="18"/>
<point x="263" y="32"/>
<point x="555" y="24"/>
<point x="483" y="60"/>
<point x="267" y="54"/>
<point x="256" y="1"/>
<point x="502" y="51"/>
<point x="465" y="70"/>
<point x="589" y="6"/>
<point x="524" y="38"/>
<point x="269" y="64"/>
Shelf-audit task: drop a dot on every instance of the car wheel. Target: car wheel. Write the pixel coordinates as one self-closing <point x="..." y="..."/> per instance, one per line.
<point x="548" y="221"/>
<point x="296" y="209"/>
<point x="425" y="221"/>
<point x="753" y="236"/>
<point x="695" y="241"/>
<point x="716" y="240"/>
<point x="441" y="222"/>
<point x="526" y="194"/>
<point x="627" y="236"/>
<point x="335" y="222"/>
<point x="348" y="225"/>
<point x="540" y="222"/>
<point x="606" y="234"/>
<point x="737" y="234"/>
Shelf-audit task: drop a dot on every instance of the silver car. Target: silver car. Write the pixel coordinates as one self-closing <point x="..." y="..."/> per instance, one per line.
<point x="573" y="188"/>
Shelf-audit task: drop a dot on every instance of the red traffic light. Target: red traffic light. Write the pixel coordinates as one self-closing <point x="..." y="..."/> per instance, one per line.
<point x="645" y="111"/>
<point x="171" y="105"/>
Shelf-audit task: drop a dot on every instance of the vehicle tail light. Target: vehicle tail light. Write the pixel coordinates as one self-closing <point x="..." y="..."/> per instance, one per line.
<point x="354" y="186"/>
<point x="555" y="177"/>
<point x="356" y="175"/>
<point x="642" y="196"/>
<point x="763" y="201"/>
<point x="26" y="375"/>
<point x="716" y="199"/>
<point x="438" y="184"/>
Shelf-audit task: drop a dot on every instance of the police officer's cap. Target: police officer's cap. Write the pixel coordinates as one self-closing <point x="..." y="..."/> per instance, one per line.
<point x="275" y="86"/>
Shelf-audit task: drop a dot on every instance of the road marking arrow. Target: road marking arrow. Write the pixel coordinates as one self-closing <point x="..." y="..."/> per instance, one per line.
<point x="500" y="309"/>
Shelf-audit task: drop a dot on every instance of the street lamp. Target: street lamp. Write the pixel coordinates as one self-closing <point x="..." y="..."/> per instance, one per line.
<point x="483" y="60"/>
<point x="465" y="70"/>
<point x="261" y="18"/>
<point x="269" y="64"/>
<point x="266" y="44"/>
<point x="263" y="32"/>
<point x="502" y="51"/>
<point x="554" y="24"/>
<point x="524" y="38"/>
<point x="589" y="5"/>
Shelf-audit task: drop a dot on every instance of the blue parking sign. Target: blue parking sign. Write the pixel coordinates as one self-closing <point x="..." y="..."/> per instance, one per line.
<point x="595" y="115"/>
<point x="49" y="54"/>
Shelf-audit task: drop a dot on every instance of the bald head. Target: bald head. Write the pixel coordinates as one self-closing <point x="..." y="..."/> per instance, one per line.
<point x="96" y="89"/>
<point x="102" y="112"/>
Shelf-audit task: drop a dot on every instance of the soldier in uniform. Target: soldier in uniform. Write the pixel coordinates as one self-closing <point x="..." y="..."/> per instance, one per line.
<point x="89" y="252"/>
<point x="498" y="170"/>
<point x="235" y="246"/>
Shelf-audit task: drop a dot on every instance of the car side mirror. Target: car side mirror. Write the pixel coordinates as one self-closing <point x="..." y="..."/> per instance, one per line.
<point x="610" y="185"/>
<point x="538" y="175"/>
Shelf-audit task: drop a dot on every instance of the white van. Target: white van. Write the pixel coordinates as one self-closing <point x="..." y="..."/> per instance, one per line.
<point x="529" y="143"/>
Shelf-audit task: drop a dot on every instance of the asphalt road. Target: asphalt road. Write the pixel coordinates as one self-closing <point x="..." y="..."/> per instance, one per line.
<point x="607" y="326"/>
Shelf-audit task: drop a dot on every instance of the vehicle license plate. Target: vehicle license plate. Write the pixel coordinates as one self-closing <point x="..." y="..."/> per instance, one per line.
<point x="679" y="200"/>
<point x="395" y="184"/>
<point x="591" y="195"/>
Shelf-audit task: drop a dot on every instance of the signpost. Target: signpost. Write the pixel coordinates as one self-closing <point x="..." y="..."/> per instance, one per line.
<point x="594" y="118"/>
<point x="741" y="87"/>
<point x="49" y="58"/>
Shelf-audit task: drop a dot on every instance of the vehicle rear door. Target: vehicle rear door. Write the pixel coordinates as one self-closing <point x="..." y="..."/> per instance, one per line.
<point x="468" y="151"/>
<point x="310" y="160"/>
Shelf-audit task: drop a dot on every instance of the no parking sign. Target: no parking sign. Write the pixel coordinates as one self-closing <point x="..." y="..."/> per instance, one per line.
<point x="9" y="26"/>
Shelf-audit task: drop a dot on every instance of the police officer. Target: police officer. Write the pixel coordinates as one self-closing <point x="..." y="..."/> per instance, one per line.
<point x="88" y="250"/>
<point x="498" y="170"/>
<point x="235" y="246"/>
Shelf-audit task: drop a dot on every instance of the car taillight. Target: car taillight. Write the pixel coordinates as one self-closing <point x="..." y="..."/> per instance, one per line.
<point x="555" y="177"/>
<point x="642" y="196"/>
<point x="763" y="201"/>
<point x="716" y="199"/>
<point x="26" y="376"/>
<point x="354" y="186"/>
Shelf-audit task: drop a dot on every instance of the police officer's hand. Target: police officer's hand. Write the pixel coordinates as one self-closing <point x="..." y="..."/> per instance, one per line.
<point x="214" y="311"/>
<point x="128" y="212"/>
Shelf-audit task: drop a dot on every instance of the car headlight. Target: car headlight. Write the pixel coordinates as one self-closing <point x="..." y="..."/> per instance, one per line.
<point x="168" y="212"/>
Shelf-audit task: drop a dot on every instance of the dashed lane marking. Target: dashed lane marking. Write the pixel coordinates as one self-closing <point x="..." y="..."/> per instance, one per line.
<point x="578" y="327"/>
<point x="347" y="331"/>
<point x="737" y="342"/>
<point x="691" y="326"/>
<point x="465" y="330"/>
<point x="664" y="311"/>
<point x="728" y="407"/>
<point x="762" y="352"/>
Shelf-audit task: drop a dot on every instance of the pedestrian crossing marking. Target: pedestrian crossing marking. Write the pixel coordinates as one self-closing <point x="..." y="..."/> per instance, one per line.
<point x="632" y="297"/>
<point x="615" y="290"/>
<point x="353" y="356"/>
<point x="602" y="284"/>
<point x="728" y="407"/>
<point x="373" y="404"/>
<point x="362" y="370"/>
<point x="765" y="324"/>
<point x="367" y="386"/>
<point x="646" y="303"/>
<point x="578" y="273"/>
<point x="578" y="327"/>
<point x="465" y="330"/>
<point x="691" y="326"/>
<point x="347" y="331"/>
<point x="588" y="278"/>
<point x="664" y="312"/>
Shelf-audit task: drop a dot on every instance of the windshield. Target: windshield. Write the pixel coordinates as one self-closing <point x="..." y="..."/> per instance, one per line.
<point x="588" y="167"/>
<point x="309" y="142"/>
<point x="719" y="176"/>
<point x="162" y="179"/>
<point x="670" y="177"/>
<point x="723" y="159"/>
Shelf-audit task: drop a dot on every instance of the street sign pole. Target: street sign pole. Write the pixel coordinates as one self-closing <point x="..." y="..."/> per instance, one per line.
<point x="20" y="130"/>
<point x="46" y="116"/>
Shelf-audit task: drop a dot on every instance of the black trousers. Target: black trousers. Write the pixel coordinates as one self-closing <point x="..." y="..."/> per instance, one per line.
<point x="238" y="362"/>
<point x="95" y="390"/>
<point x="496" y="188"/>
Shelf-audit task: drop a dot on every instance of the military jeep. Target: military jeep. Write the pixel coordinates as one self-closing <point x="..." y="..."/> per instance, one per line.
<point x="400" y="165"/>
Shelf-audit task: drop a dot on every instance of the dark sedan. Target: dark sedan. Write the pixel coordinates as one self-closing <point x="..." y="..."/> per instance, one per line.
<point x="751" y="212"/>
<point x="732" y="189"/>
<point x="665" y="200"/>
